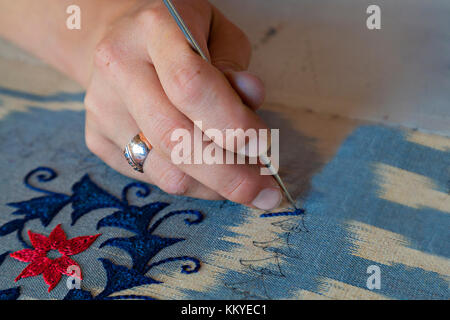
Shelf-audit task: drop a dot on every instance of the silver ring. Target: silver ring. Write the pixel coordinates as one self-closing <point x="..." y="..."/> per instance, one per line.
<point x="136" y="151"/>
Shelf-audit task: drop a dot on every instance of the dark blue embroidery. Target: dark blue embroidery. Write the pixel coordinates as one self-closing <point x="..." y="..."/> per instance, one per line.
<point x="134" y="219"/>
<point x="296" y="212"/>
<point x="44" y="208"/>
<point x="121" y="278"/>
<point x="197" y="214"/>
<point x="144" y="245"/>
<point x="78" y="294"/>
<point x="8" y="294"/>
<point x="87" y="196"/>
<point x="3" y="257"/>
<point x="14" y="225"/>
<point x="141" y="249"/>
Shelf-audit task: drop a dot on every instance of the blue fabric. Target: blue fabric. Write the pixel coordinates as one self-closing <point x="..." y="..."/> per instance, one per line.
<point x="150" y="238"/>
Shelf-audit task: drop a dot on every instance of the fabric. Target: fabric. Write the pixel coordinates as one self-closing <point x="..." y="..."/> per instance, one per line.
<point x="52" y="269"/>
<point x="372" y="196"/>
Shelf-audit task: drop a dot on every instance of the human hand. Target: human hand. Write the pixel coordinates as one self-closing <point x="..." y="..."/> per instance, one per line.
<point x="146" y="78"/>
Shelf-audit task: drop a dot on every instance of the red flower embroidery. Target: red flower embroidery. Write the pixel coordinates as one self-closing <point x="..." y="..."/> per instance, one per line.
<point x="52" y="269"/>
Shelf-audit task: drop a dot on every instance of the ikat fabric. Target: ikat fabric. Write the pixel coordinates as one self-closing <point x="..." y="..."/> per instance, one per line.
<point x="381" y="199"/>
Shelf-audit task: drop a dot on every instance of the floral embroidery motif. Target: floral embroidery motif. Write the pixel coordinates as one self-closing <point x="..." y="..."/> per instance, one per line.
<point x="87" y="196"/>
<point x="142" y="247"/>
<point x="12" y="293"/>
<point x="52" y="269"/>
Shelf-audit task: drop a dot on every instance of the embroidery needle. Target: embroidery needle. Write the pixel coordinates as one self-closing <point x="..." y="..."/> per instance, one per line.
<point x="263" y="158"/>
<point x="268" y="164"/>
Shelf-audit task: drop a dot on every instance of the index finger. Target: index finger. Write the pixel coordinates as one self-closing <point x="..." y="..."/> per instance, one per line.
<point x="196" y="88"/>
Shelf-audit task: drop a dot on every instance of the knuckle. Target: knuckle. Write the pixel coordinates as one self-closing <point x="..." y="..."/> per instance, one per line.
<point x="166" y="142"/>
<point x="187" y="82"/>
<point x="229" y="64"/>
<point x="106" y="53"/>
<point x="174" y="181"/>
<point x="149" y="16"/>
<point x="94" y="104"/>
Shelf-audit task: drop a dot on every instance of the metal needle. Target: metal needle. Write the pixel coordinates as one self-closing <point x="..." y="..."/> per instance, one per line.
<point x="263" y="158"/>
<point x="266" y="162"/>
<point x="187" y="33"/>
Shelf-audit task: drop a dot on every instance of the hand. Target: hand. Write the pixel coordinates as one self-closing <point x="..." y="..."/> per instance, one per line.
<point x="147" y="78"/>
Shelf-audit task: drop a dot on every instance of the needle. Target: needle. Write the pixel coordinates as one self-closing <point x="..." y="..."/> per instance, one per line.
<point x="266" y="162"/>
<point x="180" y="22"/>
<point x="263" y="158"/>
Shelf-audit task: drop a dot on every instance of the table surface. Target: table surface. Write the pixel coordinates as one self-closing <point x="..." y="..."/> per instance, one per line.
<point x="375" y="185"/>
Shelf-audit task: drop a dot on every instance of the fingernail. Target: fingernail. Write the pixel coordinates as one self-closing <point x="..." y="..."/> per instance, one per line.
<point x="268" y="199"/>
<point x="247" y="82"/>
<point x="249" y="87"/>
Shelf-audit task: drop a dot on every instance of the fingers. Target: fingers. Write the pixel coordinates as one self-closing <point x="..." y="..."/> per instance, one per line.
<point x="157" y="170"/>
<point x="229" y="47"/>
<point x="109" y="153"/>
<point x="196" y="88"/>
<point x="109" y="127"/>
<point x="169" y="90"/>
<point x="158" y="118"/>
<point x="230" y="52"/>
<point x="249" y="87"/>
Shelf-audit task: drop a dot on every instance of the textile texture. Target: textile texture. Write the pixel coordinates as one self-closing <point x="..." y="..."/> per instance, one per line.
<point x="372" y="196"/>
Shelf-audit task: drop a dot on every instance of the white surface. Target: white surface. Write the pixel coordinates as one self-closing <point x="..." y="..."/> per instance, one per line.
<point x="324" y="58"/>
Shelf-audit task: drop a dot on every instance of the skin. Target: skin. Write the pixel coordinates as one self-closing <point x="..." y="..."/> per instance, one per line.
<point x="140" y="74"/>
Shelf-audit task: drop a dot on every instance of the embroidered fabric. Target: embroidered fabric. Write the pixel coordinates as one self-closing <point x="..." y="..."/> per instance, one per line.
<point x="52" y="269"/>
<point x="87" y="197"/>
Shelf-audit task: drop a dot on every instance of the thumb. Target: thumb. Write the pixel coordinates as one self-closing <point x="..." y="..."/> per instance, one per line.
<point x="230" y="52"/>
